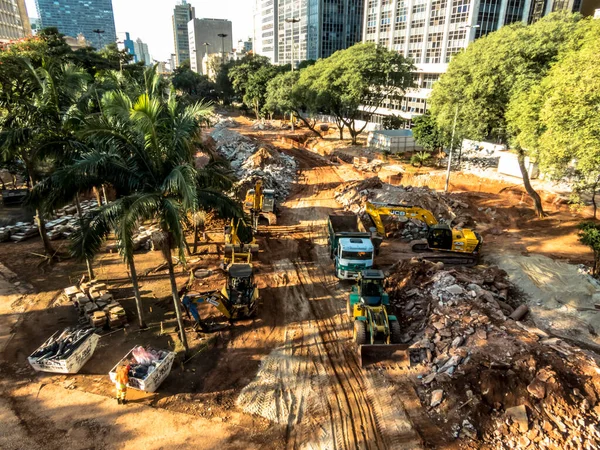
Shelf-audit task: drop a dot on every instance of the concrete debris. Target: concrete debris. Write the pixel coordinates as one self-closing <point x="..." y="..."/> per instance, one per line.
<point x="510" y="385"/>
<point x="219" y="121"/>
<point x="252" y="160"/>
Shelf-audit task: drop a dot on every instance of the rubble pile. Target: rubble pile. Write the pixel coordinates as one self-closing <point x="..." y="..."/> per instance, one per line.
<point x="252" y="161"/>
<point x="96" y="305"/>
<point x="146" y="238"/>
<point x="479" y="162"/>
<point x="261" y="125"/>
<point x="220" y="121"/>
<point x="484" y="377"/>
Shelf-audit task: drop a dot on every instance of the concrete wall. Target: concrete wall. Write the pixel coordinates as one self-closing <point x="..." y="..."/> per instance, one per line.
<point x="509" y="165"/>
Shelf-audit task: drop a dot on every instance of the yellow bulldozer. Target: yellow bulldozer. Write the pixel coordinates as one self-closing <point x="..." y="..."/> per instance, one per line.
<point x="260" y="203"/>
<point x="376" y="332"/>
<point x="459" y="246"/>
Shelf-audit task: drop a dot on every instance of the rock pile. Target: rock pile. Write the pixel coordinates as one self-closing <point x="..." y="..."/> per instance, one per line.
<point x="479" y="162"/>
<point x="261" y="125"/>
<point x="488" y="380"/>
<point x="219" y="121"/>
<point x="252" y="160"/>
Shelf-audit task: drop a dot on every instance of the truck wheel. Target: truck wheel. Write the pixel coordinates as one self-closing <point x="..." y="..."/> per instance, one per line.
<point x="349" y="310"/>
<point x="395" y="332"/>
<point x="360" y="332"/>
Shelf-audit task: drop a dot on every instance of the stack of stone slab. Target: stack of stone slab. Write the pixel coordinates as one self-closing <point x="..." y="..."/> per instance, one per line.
<point x="19" y="231"/>
<point x="96" y="304"/>
<point x="146" y="238"/>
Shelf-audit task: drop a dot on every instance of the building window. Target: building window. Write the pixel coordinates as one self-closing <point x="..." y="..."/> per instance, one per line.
<point x="456" y="42"/>
<point x="434" y="48"/>
<point x="415" y="54"/>
<point x="417" y="23"/>
<point x="419" y="8"/>
<point x="438" y="12"/>
<point x="460" y="11"/>
<point x="399" y="40"/>
<point x="429" y="79"/>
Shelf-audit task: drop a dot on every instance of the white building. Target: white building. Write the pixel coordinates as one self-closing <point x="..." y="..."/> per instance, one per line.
<point x="265" y="29"/>
<point x="204" y="39"/>
<point x="142" y="52"/>
<point x="14" y="21"/>
<point x="431" y="32"/>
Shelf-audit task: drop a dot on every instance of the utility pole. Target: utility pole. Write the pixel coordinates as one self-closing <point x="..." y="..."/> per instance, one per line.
<point x="222" y="36"/>
<point x="292" y="21"/>
<point x="451" y="147"/>
<point x="206" y="44"/>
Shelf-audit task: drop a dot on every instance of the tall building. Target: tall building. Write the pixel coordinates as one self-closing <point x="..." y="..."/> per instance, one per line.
<point x="14" y="21"/>
<point x="204" y="39"/>
<point x="431" y="32"/>
<point x="182" y="14"/>
<point x="142" y="53"/>
<point x="74" y="17"/>
<point x="265" y="29"/>
<point x="126" y="43"/>
<point x="310" y="29"/>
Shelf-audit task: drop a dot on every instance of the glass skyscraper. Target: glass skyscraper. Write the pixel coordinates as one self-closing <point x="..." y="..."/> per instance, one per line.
<point x="73" y="17"/>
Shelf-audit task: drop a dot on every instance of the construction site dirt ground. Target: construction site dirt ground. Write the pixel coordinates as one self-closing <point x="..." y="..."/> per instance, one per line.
<point x="288" y="378"/>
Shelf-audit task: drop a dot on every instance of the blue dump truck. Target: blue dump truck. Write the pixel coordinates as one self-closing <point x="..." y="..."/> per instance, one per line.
<point x="351" y="247"/>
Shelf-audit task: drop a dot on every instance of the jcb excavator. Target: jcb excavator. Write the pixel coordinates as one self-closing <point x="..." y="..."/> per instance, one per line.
<point x="233" y="242"/>
<point x="240" y="296"/>
<point x="376" y="332"/>
<point x="458" y="246"/>
<point x="259" y="203"/>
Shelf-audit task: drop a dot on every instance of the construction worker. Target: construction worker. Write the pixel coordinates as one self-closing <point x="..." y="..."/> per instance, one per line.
<point x="121" y="383"/>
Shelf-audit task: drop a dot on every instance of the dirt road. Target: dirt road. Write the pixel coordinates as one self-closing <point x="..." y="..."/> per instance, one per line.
<point x="312" y="383"/>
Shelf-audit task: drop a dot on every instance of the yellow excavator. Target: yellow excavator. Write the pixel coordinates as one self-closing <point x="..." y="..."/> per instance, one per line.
<point x="240" y="296"/>
<point x="234" y="244"/>
<point x="459" y="246"/>
<point x="259" y="203"/>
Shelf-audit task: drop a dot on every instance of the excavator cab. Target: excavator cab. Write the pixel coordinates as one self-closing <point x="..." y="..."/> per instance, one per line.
<point x="440" y="237"/>
<point x="240" y="292"/>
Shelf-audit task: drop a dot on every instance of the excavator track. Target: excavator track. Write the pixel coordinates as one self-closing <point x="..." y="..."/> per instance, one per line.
<point x="448" y="258"/>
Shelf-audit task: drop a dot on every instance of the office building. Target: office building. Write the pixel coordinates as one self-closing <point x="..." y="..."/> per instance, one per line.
<point x="14" y="21"/>
<point x="319" y="28"/>
<point x="431" y="32"/>
<point x="92" y="18"/>
<point x="244" y="47"/>
<point x="204" y="39"/>
<point x="141" y="51"/>
<point x="125" y="42"/>
<point x="36" y="25"/>
<point x="182" y="14"/>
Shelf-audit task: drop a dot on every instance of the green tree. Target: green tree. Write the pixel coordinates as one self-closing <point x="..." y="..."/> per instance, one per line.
<point x="351" y="84"/>
<point x="427" y="134"/>
<point x="392" y="122"/>
<point x="192" y="85"/>
<point x="249" y="82"/>
<point x="589" y="234"/>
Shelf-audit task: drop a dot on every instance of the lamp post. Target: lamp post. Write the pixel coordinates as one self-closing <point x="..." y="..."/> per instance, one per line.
<point x="222" y="36"/>
<point x="206" y="44"/>
<point x="99" y="32"/>
<point x="292" y="21"/>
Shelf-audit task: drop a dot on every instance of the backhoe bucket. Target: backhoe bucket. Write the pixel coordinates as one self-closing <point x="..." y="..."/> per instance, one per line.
<point x="385" y="354"/>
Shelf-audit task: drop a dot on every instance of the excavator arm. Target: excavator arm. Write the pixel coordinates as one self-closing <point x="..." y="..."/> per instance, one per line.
<point x="215" y="298"/>
<point x="376" y="210"/>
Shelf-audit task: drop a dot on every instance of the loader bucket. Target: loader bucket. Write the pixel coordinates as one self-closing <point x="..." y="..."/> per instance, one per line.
<point x="385" y="354"/>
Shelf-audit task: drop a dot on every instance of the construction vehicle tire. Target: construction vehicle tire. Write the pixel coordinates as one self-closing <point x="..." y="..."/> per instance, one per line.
<point x="395" y="332"/>
<point x="360" y="332"/>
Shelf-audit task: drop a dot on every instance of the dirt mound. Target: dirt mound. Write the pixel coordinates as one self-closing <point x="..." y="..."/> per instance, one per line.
<point x="262" y="158"/>
<point x="488" y="379"/>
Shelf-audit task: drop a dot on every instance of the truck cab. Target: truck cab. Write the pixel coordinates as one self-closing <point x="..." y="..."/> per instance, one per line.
<point x="353" y="255"/>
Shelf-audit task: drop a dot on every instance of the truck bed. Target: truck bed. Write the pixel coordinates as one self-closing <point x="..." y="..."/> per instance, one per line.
<point x="344" y="222"/>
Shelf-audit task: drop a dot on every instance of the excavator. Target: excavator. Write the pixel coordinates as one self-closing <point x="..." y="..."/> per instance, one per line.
<point x="457" y="246"/>
<point x="234" y="243"/>
<point x="239" y="298"/>
<point x="259" y="203"/>
<point x="376" y="332"/>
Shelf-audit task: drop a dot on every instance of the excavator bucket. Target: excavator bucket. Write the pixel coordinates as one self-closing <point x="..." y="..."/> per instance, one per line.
<point x="384" y="354"/>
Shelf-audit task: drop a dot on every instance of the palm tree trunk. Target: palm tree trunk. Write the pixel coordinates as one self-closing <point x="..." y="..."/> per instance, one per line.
<point x="104" y="192"/>
<point x="88" y="262"/>
<point x="195" y="237"/>
<point x="136" y="291"/>
<point x="41" y="224"/>
<point x="539" y="209"/>
<point x="176" y="299"/>
<point x="97" y="195"/>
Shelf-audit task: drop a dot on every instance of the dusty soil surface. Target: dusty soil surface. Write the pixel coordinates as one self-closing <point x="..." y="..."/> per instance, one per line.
<point x="288" y="378"/>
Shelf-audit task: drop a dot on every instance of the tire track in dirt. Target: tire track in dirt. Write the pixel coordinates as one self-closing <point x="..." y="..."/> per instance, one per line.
<point x="312" y="384"/>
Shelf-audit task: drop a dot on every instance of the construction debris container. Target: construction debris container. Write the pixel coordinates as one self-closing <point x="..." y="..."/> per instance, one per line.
<point x="73" y="363"/>
<point x="152" y="381"/>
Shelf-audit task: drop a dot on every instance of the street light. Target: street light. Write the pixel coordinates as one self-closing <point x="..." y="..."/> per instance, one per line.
<point x="292" y="20"/>
<point x="99" y="32"/>
<point x="470" y="27"/>
<point x="206" y="44"/>
<point x="222" y="36"/>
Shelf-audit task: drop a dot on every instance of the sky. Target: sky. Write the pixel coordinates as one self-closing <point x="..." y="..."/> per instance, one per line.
<point x="150" y="20"/>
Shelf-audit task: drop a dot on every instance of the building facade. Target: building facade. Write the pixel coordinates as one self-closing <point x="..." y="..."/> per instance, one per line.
<point x="14" y="21"/>
<point x="320" y="28"/>
<point x="182" y="14"/>
<point x="431" y="32"/>
<point x="265" y="29"/>
<point x="142" y="53"/>
<point x="204" y="39"/>
<point x="74" y="17"/>
<point x="125" y="42"/>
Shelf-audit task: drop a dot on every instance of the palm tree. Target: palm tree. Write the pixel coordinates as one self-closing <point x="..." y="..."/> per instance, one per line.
<point x="38" y="116"/>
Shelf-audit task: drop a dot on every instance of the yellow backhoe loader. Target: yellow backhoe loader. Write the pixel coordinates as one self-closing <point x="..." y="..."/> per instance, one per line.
<point x="459" y="246"/>
<point x="233" y="243"/>
<point x="260" y="203"/>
